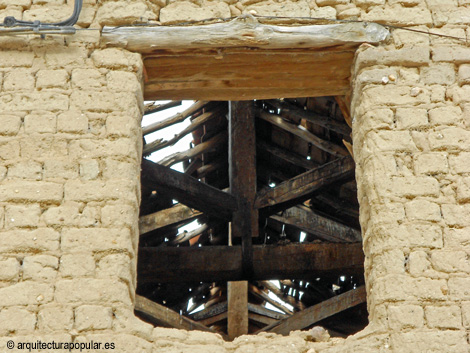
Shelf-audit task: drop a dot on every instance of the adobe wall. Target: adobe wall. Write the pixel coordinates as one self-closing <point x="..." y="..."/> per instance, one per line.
<point x="70" y="147"/>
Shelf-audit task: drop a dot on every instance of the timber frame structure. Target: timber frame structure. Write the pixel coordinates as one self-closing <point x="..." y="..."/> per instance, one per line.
<point x="300" y="145"/>
<point x="312" y="174"/>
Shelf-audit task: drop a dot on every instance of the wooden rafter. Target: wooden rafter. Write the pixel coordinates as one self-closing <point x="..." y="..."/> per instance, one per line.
<point x="164" y="316"/>
<point x="195" y="124"/>
<point x="189" y="190"/>
<point x="309" y="221"/>
<point x="318" y="312"/>
<point x="292" y="111"/>
<point x="171" y="216"/>
<point x="303" y="133"/>
<point x="286" y="155"/>
<point x="305" y="184"/>
<point x="177" y="118"/>
<point x="151" y="108"/>
<point x="224" y="263"/>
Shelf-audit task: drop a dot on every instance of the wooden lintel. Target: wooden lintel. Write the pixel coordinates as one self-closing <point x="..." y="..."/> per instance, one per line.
<point x="171" y="216"/>
<point x="164" y="316"/>
<point x="244" y="31"/>
<point x="224" y="263"/>
<point x="189" y="190"/>
<point x="306" y="183"/>
<point x="307" y="220"/>
<point x="318" y="312"/>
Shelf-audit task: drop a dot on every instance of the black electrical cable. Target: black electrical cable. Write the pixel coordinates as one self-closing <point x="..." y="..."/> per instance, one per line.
<point x="10" y="21"/>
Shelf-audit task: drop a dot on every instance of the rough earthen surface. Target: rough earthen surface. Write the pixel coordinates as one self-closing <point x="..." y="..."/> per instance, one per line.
<point x="70" y="147"/>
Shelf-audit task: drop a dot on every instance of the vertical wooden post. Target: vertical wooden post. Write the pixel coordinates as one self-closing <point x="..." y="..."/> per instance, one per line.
<point x="242" y="174"/>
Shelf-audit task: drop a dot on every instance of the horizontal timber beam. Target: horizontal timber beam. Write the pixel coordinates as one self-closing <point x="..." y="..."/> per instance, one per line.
<point x="189" y="190"/>
<point x="307" y="220"/>
<point x="244" y="31"/>
<point x="318" y="312"/>
<point x="306" y="183"/>
<point x="224" y="263"/>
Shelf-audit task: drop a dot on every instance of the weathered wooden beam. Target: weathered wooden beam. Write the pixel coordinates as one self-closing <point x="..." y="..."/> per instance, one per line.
<point x="344" y="105"/>
<point x="244" y="31"/>
<point x="171" y="216"/>
<point x="292" y="111"/>
<point x="186" y="236"/>
<point x="223" y="263"/>
<point x="286" y="155"/>
<point x="262" y="310"/>
<point x="307" y="220"/>
<point x="173" y="119"/>
<point x="151" y="108"/>
<point x="339" y="205"/>
<point x="213" y="319"/>
<point x="307" y="183"/>
<point x="195" y="124"/>
<point x="261" y="319"/>
<point x="214" y="310"/>
<point x="303" y="133"/>
<point x="264" y="296"/>
<point x="237" y="318"/>
<point x="242" y="178"/>
<point x="318" y="312"/>
<point x="189" y="190"/>
<point x="164" y="316"/>
<point x="287" y="298"/>
<point x="208" y="146"/>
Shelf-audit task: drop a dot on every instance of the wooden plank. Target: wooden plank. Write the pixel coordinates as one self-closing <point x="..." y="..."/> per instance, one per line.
<point x="292" y="111"/>
<point x="189" y="190"/>
<point x="171" y="216"/>
<point x="237" y="298"/>
<point x="162" y="315"/>
<point x="300" y="131"/>
<point x="239" y="74"/>
<point x="223" y="263"/>
<point x="307" y="220"/>
<point x="305" y="184"/>
<point x="244" y="31"/>
<point x="318" y="312"/>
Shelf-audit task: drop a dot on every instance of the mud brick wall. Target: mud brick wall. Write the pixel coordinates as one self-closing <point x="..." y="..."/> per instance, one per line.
<point x="70" y="147"/>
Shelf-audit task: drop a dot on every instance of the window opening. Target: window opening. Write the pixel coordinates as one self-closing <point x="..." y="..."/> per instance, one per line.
<point x="293" y="137"/>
